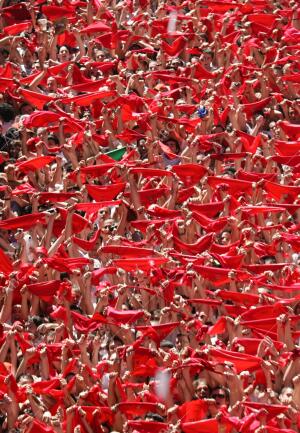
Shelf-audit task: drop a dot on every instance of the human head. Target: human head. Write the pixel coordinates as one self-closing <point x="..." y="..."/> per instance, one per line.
<point x="221" y="395"/>
<point x="7" y="113"/>
<point x="64" y="54"/>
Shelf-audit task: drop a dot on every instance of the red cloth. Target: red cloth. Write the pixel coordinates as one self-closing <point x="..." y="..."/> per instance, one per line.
<point x="87" y="245"/>
<point x="44" y="290"/>
<point x="190" y="174"/>
<point x="62" y="264"/>
<point x="241" y="361"/>
<point x="95" y="171"/>
<point x="175" y="48"/>
<point x="35" y="99"/>
<point x="56" y="12"/>
<point x="271" y="409"/>
<point x="209" y="209"/>
<point x="247" y="299"/>
<point x="149" y="196"/>
<point x="287" y="148"/>
<point x="126" y="251"/>
<point x="235" y="186"/>
<point x="15" y="29"/>
<point x="292" y="131"/>
<point x="220" y="275"/>
<point x="192" y="411"/>
<point x="85" y="100"/>
<point x="147" y="426"/>
<point x="129" y="136"/>
<point x="124" y="316"/>
<point x="167" y="151"/>
<point x="136" y="408"/>
<point x="219" y="327"/>
<point x="206" y="426"/>
<point x="158" y="332"/>
<point x="267" y="20"/>
<point x="196" y="248"/>
<point x="55" y="196"/>
<point x="150" y="172"/>
<point x="103" y="193"/>
<point x="205" y="301"/>
<point x="96" y="27"/>
<point x="253" y="107"/>
<point x="5" y="263"/>
<point x="6" y="83"/>
<point x="23" y="222"/>
<point x="35" y="163"/>
<point x="41" y="118"/>
<point x="93" y="207"/>
<point x="144" y="264"/>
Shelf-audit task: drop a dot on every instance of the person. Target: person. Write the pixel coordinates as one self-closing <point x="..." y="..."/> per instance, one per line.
<point x="150" y="216"/>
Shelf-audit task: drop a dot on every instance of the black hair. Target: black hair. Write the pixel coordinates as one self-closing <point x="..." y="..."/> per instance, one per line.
<point x="131" y="215"/>
<point x="222" y="388"/>
<point x="36" y="320"/>
<point x="173" y="140"/>
<point x="63" y="276"/>
<point x="7" y="112"/>
<point x="24" y="104"/>
<point x="116" y="339"/>
<point x="26" y="376"/>
<point x="265" y="258"/>
<point x="54" y="138"/>
<point x="154" y="417"/>
<point x="26" y="210"/>
<point x="4" y="51"/>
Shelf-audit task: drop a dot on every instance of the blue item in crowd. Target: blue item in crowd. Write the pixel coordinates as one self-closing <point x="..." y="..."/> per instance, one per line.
<point x="202" y="112"/>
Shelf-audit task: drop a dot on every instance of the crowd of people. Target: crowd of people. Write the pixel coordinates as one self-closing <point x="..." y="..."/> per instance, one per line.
<point x="150" y="216"/>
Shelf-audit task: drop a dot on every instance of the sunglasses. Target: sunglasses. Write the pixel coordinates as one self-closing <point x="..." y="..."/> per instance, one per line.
<point x="218" y="396"/>
<point x="110" y="228"/>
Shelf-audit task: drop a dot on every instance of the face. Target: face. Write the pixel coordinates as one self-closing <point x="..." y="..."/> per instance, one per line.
<point x="109" y="227"/>
<point x="286" y="396"/>
<point x="99" y="56"/>
<point x="16" y="312"/>
<point x="225" y="238"/>
<point x="172" y="145"/>
<point x="258" y="167"/>
<point x="207" y="59"/>
<point x="63" y="54"/>
<point x="51" y="84"/>
<point x="219" y="396"/>
<point x="25" y="380"/>
<point x="202" y="390"/>
<point x="14" y="151"/>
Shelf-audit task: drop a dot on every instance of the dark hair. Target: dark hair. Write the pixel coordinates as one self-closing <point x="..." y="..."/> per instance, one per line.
<point x="131" y="215"/>
<point x="222" y="388"/>
<point x="26" y="210"/>
<point x="117" y="339"/>
<point x="4" y="51"/>
<point x="64" y="275"/>
<point x="154" y="417"/>
<point x="7" y="112"/>
<point x="174" y="141"/>
<point x="36" y="320"/>
<point x="26" y="376"/>
<point x="54" y="138"/>
<point x="24" y="104"/>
